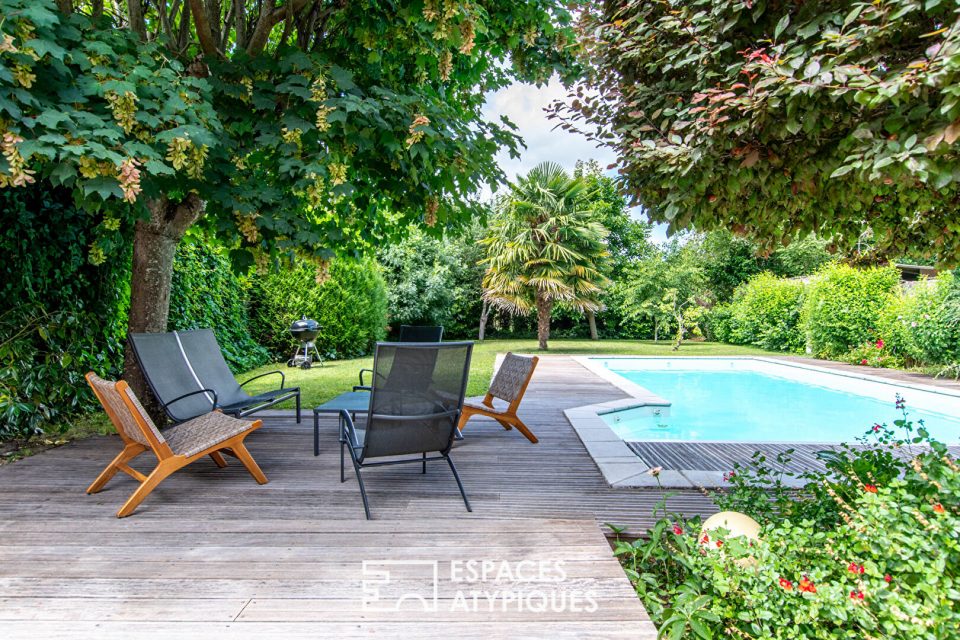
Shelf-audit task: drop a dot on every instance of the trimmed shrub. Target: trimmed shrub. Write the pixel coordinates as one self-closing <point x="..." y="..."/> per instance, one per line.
<point x="717" y="323"/>
<point x="350" y="305"/>
<point x="842" y="307"/>
<point x="205" y="293"/>
<point x="765" y="312"/>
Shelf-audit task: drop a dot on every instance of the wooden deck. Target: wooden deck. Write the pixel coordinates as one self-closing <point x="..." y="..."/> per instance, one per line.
<point x="213" y="548"/>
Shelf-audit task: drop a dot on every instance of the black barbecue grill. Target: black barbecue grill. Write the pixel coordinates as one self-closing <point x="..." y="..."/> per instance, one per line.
<point x="305" y="331"/>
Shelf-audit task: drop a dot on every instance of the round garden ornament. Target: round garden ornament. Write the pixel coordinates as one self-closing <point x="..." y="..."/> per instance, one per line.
<point x="738" y="524"/>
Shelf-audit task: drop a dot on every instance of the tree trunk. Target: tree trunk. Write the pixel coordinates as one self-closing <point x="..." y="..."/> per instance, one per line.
<point x="680" y="332"/>
<point x="656" y="329"/>
<point x="154" y="247"/>
<point x="484" y="314"/>
<point x="592" y="322"/>
<point x="544" y="306"/>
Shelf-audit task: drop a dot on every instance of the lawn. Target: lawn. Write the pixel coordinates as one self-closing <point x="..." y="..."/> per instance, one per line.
<point x="319" y="384"/>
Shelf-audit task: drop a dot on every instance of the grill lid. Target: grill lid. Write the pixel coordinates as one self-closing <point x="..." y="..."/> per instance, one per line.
<point x="305" y="329"/>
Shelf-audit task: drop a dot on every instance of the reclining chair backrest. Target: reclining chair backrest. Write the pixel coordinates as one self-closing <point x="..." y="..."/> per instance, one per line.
<point x="203" y="352"/>
<point x="417" y="397"/>
<point x="171" y="374"/>
<point x="411" y="333"/>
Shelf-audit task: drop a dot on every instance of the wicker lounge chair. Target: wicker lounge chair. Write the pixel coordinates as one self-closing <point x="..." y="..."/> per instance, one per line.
<point x="408" y="333"/>
<point x="508" y="385"/>
<point x="415" y="404"/>
<point x="188" y="375"/>
<point x="211" y="435"/>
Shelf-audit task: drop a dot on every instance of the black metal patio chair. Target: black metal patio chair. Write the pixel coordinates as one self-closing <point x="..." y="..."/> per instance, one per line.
<point x="187" y="373"/>
<point x="415" y="404"/>
<point x="408" y="333"/>
<point x="413" y="333"/>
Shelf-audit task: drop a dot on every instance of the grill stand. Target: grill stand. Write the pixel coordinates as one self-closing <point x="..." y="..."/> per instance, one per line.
<point x="303" y="357"/>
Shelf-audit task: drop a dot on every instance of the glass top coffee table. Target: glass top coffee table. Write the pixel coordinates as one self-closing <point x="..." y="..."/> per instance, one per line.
<point x="352" y="402"/>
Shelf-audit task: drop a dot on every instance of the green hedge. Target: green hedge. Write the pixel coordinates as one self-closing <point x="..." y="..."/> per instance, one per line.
<point x="63" y="316"/>
<point x="205" y="293"/>
<point x="843" y="305"/>
<point x="351" y="307"/>
<point x="765" y="312"/>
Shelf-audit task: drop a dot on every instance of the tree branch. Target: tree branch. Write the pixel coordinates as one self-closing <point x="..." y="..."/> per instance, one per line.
<point x="269" y="17"/>
<point x="202" y="22"/>
<point x="137" y="23"/>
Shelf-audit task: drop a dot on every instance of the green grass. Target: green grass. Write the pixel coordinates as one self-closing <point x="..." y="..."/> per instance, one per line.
<point x="320" y="384"/>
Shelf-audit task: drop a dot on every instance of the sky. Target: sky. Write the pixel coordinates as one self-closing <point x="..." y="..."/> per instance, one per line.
<point x="524" y="104"/>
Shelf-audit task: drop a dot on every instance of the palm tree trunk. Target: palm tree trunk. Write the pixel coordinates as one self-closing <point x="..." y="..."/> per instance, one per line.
<point x="484" y="314"/>
<point x="592" y="322"/>
<point x="544" y="306"/>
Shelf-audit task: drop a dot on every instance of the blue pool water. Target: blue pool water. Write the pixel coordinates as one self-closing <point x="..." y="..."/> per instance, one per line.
<point x="747" y="406"/>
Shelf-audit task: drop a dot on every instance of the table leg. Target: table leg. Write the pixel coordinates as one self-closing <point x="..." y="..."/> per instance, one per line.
<point x="316" y="433"/>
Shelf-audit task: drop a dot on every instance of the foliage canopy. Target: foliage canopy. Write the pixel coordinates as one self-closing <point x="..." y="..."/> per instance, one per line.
<point x="777" y="119"/>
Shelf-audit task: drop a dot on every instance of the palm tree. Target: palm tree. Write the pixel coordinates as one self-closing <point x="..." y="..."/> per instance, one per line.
<point x="543" y="247"/>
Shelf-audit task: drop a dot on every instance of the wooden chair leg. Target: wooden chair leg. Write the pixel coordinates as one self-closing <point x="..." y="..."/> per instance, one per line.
<point x="217" y="457"/>
<point x="522" y="428"/>
<point x="129" y="452"/>
<point x="164" y="469"/>
<point x="504" y="423"/>
<point x="244" y="456"/>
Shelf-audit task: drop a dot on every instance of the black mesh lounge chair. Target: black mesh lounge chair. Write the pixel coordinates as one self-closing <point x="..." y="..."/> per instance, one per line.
<point x="188" y="375"/>
<point x="408" y="333"/>
<point x="415" y="404"/>
<point x="411" y="333"/>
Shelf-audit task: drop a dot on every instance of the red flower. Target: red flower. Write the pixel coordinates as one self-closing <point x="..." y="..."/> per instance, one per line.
<point x="855" y="568"/>
<point x="786" y="584"/>
<point x="719" y="543"/>
<point x="876" y="428"/>
<point x="705" y="539"/>
<point x="727" y="477"/>
<point x="677" y="529"/>
<point x="856" y="594"/>
<point x="864" y="361"/>
<point x="888" y="578"/>
<point x="806" y="584"/>
<point x="880" y="344"/>
<point x="869" y="488"/>
<point x="938" y="508"/>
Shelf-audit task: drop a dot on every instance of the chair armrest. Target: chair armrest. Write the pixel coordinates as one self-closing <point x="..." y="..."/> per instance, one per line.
<point x="365" y="386"/>
<point x="283" y="378"/>
<point x="193" y="393"/>
<point x="347" y="429"/>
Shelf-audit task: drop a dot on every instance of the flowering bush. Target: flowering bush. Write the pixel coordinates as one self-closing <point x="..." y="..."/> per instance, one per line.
<point x="924" y="324"/>
<point x="874" y="353"/>
<point x="868" y="549"/>
<point x="843" y="304"/>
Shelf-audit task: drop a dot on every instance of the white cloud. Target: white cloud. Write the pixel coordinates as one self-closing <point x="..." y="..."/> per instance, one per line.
<point x="525" y="106"/>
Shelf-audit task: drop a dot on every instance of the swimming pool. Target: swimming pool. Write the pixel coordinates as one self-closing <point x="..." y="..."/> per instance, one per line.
<point x="764" y="400"/>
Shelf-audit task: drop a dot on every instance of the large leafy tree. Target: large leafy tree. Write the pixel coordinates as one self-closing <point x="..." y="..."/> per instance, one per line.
<point x="307" y="126"/>
<point x="544" y="246"/>
<point x="778" y="118"/>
